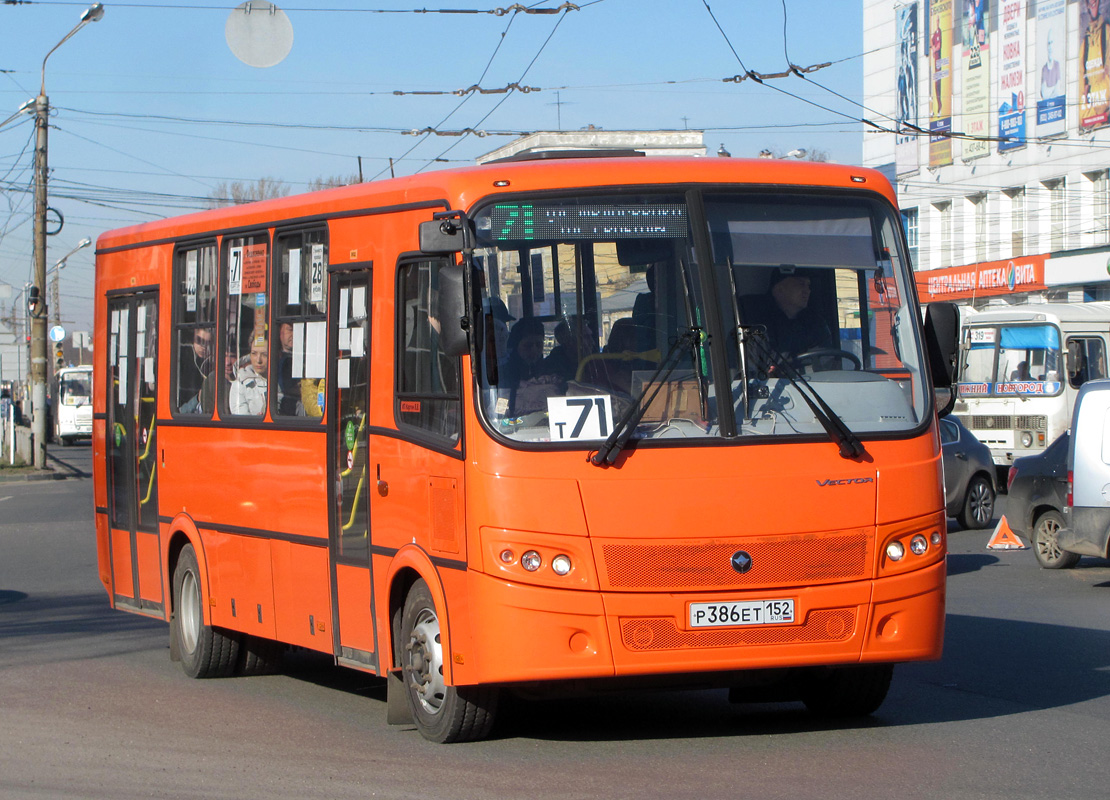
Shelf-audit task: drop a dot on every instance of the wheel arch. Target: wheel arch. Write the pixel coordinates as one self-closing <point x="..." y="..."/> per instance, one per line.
<point x="183" y="532"/>
<point x="410" y="565"/>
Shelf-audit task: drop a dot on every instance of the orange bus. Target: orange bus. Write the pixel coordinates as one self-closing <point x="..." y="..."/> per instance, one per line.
<point x="544" y="425"/>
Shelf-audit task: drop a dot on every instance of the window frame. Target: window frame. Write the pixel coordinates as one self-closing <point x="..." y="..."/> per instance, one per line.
<point x="178" y="312"/>
<point x="448" y="442"/>
<point x="223" y="386"/>
<point x="279" y="313"/>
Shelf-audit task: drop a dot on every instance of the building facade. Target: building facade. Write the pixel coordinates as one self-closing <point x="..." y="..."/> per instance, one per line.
<point x="992" y="118"/>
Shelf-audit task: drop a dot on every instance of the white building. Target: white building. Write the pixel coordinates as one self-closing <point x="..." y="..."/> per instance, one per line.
<point x="651" y="143"/>
<point x="1004" y="182"/>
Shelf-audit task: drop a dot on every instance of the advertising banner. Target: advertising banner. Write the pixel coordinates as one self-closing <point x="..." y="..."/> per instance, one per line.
<point x="906" y="140"/>
<point x="976" y="66"/>
<point x="1052" y="118"/>
<point x="1011" y="78"/>
<point x="1094" y="69"/>
<point x="991" y="278"/>
<point x="940" y="80"/>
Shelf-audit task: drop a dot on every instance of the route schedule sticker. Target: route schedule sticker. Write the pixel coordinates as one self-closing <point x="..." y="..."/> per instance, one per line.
<point x="573" y="419"/>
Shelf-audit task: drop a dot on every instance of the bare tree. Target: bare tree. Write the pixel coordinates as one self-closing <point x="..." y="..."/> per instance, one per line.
<point x="332" y="182"/>
<point x="239" y="192"/>
<point x="804" y="153"/>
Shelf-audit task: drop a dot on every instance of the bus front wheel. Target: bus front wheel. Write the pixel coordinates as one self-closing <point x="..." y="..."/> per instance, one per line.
<point x="205" y="651"/>
<point x="845" y="692"/>
<point x="442" y="713"/>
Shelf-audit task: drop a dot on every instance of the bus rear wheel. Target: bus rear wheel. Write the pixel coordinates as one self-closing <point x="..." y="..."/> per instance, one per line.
<point x="846" y="692"/>
<point x="441" y="713"/>
<point x="205" y="651"/>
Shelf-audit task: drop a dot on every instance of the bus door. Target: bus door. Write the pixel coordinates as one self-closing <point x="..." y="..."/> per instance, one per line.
<point x="132" y="451"/>
<point x="349" y="468"/>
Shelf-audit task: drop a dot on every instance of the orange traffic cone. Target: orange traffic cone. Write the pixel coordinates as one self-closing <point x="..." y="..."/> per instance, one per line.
<point x="1005" y="539"/>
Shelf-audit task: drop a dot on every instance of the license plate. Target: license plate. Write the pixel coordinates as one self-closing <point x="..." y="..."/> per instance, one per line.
<point x="748" y="612"/>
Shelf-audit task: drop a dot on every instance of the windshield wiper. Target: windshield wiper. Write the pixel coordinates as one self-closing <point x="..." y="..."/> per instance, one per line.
<point x="849" y="444"/>
<point x="607" y="453"/>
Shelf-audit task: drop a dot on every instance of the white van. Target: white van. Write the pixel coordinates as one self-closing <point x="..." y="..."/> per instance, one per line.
<point x="1086" y="530"/>
<point x="73" y="415"/>
<point x="1021" y="369"/>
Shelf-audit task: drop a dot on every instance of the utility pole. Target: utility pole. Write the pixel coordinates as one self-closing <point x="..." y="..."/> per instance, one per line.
<point x="38" y="311"/>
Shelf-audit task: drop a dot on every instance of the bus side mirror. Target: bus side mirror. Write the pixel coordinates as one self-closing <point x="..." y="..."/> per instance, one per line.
<point x="450" y="310"/>
<point x="441" y="236"/>
<point x="942" y="331"/>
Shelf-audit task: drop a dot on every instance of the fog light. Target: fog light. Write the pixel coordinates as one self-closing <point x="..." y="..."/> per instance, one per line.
<point x="918" y="545"/>
<point x="895" y="551"/>
<point x="1026" y="439"/>
<point x="935" y="538"/>
<point x="561" y="564"/>
<point x="507" y="556"/>
<point x="531" y="561"/>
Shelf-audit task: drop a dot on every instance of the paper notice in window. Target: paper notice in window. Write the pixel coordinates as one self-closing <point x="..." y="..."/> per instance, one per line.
<point x="294" y="298"/>
<point x="344" y="376"/>
<point x="298" y="350"/>
<point x="315" y="362"/>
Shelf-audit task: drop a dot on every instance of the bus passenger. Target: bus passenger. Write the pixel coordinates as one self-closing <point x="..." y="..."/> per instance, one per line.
<point x="248" y="392"/>
<point x="196" y="364"/>
<point x="289" y="388"/>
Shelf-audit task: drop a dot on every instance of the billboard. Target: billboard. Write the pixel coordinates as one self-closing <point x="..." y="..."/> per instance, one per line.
<point x="1094" y="69"/>
<point x="905" y="140"/>
<point x="1011" y="78"/>
<point x="1052" y="117"/>
<point x="940" y="82"/>
<point x="976" y="66"/>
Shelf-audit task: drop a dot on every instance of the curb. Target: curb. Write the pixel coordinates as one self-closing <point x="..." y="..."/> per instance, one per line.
<point x="33" y="476"/>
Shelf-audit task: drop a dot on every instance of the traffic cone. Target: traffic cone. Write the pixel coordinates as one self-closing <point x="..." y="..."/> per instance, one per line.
<point x="1005" y="539"/>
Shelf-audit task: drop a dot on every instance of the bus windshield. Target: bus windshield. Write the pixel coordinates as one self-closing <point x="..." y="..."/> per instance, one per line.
<point x="74" y="388"/>
<point x="1012" y="359"/>
<point x="594" y="304"/>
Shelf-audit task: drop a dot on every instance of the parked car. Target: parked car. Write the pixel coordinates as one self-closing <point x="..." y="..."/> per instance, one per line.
<point x="1038" y="488"/>
<point x="968" y="475"/>
<point x="1086" y="530"/>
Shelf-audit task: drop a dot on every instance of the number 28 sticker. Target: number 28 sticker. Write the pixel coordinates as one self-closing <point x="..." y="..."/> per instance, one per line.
<point x="579" y="418"/>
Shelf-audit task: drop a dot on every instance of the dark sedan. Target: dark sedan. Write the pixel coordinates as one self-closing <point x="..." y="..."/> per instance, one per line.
<point x="968" y="475"/>
<point x="1038" y="487"/>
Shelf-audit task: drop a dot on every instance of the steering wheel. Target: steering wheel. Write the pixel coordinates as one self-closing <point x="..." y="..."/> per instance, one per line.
<point x="813" y="356"/>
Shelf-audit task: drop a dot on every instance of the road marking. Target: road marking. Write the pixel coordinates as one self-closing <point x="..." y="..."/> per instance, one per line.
<point x="9" y="497"/>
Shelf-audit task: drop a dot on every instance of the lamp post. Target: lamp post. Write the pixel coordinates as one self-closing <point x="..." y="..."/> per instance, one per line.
<point x="39" y="312"/>
<point x="55" y="289"/>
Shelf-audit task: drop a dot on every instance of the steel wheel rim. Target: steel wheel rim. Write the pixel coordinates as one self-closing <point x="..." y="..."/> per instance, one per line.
<point x="190" y="611"/>
<point x="425" y="662"/>
<point x="982" y="508"/>
<point x="1047" y="543"/>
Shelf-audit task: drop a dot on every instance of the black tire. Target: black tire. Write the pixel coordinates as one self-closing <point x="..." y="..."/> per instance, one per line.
<point x="1046" y="548"/>
<point x="442" y="713"/>
<point x="845" y="692"/>
<point x="978" y="509"/>
<point x="258" y="656"/>
<point x="206" y="652"/>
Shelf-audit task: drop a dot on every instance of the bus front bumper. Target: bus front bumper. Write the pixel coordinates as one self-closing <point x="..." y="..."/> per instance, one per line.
<point x="533" y="633"/>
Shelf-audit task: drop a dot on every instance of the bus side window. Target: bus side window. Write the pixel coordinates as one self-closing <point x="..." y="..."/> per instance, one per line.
<point x="195" y="330"/>
<point x="428" y="381"/>
<point x="300" y="313"/>
<point x="246" y="354"/>
<point x="1086" y="360"/>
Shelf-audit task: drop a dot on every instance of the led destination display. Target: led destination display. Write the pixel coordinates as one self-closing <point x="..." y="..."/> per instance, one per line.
<point x="534" y="221"/>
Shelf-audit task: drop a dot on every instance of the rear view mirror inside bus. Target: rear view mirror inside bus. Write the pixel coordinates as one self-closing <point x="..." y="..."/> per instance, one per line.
<point x="450" y="308"/>
<point x="440" y="236"/>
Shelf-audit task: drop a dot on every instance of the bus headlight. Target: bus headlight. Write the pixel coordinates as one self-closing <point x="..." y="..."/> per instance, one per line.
<point x="918" y="545"/>
<point x="1026" y="439"/>
<point x="895" y="551"/>
<point x="561" y="564"/>
<point x="531" y="561"/>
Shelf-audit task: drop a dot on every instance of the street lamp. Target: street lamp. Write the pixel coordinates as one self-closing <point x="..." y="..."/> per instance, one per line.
<point x="59" y="265"/>
<point x="39" y="314"/>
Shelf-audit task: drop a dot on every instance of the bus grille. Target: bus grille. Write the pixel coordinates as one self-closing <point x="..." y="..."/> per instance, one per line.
<point x="661" y="633"/>
<point x="1005" y="422"/>
<point x="776" y="561"/>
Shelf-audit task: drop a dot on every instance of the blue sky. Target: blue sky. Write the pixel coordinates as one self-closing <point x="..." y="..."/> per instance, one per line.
<point x="153" y="111"/>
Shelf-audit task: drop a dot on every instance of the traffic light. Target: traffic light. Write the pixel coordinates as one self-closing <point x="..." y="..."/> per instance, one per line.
<point x="34" y="300"/>
<point x="59" y="359"/>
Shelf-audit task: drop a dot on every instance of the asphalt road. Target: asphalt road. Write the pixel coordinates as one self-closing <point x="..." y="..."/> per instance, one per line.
<point x="92" y="707"/>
